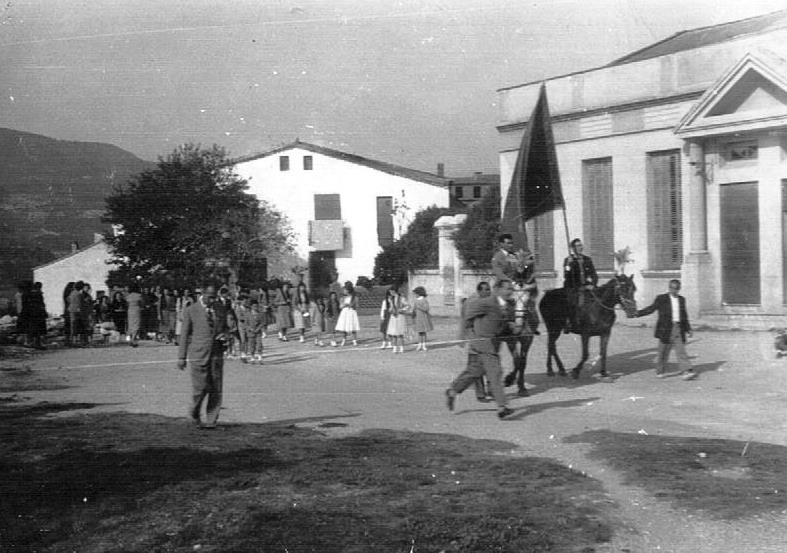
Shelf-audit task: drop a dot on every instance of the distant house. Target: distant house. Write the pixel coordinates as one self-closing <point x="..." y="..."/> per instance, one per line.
<point x="679" y="151"/>
<point x="88" y="264"/>
<point x="469" y="190"/>
<point x="343" y="207"/>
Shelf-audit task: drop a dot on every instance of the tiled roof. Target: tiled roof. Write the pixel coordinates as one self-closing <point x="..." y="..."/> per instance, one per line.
<point x="704" y="36"/>
<point x="476" y="179"/>
<point x="70" y="254"/>
<point x="412" y="174"/>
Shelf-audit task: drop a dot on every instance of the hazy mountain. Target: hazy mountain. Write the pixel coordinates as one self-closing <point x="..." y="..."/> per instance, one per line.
<point x="52" y="194"/>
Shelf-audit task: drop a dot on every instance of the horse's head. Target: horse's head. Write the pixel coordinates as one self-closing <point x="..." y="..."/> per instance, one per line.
<point x="625" y="290"/>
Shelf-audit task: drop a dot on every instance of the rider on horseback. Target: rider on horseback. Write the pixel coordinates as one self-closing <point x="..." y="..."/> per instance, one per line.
<point x="579" y="278"/>
<point x="520" y="268"/>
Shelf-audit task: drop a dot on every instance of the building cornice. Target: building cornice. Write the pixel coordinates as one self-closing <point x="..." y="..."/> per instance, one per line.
<point x="629" y="106"/>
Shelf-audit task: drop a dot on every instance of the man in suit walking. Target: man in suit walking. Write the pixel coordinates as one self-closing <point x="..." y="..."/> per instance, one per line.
<point x="203" y="339"/>
<point x="672" y="327"/>
<point x="488" y="316"/>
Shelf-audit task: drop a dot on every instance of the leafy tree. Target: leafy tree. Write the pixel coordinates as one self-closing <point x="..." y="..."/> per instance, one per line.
<point x="190" y="218"/>
<point x="475" y="238"/>
<point x="417" y="248"/>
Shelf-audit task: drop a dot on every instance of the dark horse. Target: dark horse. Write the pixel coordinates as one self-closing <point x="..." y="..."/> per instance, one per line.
<point x="595" y="318"/>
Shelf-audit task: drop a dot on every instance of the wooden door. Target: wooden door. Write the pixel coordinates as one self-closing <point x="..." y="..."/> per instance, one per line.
<point x="740" y="243"/>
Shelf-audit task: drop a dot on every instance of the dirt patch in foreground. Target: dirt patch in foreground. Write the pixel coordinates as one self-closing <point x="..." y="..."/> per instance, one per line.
<point x="725" y="479"/>
<point x="124" y="482"/>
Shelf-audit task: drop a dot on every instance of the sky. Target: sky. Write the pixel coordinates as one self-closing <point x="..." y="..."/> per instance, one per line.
<point x="409" y="82"/>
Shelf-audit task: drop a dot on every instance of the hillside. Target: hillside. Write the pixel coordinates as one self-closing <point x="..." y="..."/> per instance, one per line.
<point x="51" y="194"/>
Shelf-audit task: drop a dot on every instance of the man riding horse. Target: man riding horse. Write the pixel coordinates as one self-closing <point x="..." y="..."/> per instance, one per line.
<point x="579" y="280"/>
<point x="518" y="267"/>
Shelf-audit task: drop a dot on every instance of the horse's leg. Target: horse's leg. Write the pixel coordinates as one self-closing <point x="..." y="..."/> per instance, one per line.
<point x="561" y="370"/>
<point x="575" y="370"/>
<point x="553" y="335"/>
<point x="524" y="347"/>
<point x="551" y="350"/>
<point x="603" y="341"/>
<point x="511" y="377"/>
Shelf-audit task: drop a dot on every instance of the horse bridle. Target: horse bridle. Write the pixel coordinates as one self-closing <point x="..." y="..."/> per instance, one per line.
<point x="626" y="303"/>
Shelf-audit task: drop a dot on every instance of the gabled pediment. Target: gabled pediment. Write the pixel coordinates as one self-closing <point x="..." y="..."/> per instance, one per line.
<point x="750" y="96"/>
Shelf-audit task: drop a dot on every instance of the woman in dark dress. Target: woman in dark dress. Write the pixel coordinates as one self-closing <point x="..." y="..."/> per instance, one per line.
<point x="35" y="316"/>
<point x="119" y="312"/>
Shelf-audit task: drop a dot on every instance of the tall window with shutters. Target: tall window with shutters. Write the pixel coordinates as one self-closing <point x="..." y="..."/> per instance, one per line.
<point x="385" y="226"/>
<point x="665" y="226"/>
<point x="541" y="229"/>
<point x="597" y="212"/>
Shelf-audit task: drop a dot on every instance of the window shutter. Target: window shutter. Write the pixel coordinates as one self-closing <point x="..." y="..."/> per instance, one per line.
<point x="327" y="207"/>
<point x="665" y="228"/>
<point x="597" y="213"/>
<point x="385" y="227"/>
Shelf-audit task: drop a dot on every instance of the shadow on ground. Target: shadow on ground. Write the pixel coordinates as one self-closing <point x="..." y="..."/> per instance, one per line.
<point x="127" y="482"/>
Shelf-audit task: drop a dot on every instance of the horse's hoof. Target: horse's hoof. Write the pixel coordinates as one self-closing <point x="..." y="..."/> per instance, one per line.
<point x="551" y="373"/>
<point x="509" y="379"/>
<point x="522" y="392"/>
<point x="575" y="374"/>
<point x="563" y="373"/>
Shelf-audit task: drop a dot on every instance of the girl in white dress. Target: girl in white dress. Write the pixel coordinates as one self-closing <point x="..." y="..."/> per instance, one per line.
<point x="397" y="324"/>
<point x="348" y="317"/>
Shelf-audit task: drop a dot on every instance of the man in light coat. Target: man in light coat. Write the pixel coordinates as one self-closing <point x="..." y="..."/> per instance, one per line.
<point x="490" y="322"/>
<point x="203" y="340"/>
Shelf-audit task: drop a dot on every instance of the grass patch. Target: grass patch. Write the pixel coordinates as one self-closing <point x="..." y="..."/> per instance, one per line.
<point x="727" y="479"/>
<point x="124" y="482"/>
<point x="25" y="379"/>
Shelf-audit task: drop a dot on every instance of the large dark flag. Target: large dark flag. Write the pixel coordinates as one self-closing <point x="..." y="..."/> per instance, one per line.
<point x="535" y="184"/>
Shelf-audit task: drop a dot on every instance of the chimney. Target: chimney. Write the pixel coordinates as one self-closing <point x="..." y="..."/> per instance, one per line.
<point x="440" y="169"/>
<point x="74" y="246"/>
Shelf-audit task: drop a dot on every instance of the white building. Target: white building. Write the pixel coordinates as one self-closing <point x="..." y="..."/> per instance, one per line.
<point x="343" y="207"/>
<point x="88" y="264"/>
<point x="679" y="151"/>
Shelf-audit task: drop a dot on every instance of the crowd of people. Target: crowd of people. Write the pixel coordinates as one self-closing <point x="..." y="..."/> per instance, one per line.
<point x="209" y="325"/>
<point x="134" y="313"/>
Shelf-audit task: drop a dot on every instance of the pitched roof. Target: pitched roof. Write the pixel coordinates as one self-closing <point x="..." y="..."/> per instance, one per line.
<point x="399" y="171"/>
<point x="705" y="36"/>
<point x="83" y="249"/>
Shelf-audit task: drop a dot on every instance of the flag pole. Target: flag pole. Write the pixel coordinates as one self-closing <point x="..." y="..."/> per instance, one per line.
<point x="565" y="226"/>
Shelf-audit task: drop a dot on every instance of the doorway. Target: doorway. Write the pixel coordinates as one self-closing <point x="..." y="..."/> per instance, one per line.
<point x="322" y="268"/>
<point x="740" y="244"/>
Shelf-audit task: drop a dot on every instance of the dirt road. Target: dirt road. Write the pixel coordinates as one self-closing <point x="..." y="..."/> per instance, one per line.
<point x="739" y="394"/>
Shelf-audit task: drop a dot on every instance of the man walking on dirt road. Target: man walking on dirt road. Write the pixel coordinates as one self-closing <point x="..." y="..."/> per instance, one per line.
<point x="489" y="320"/>
<point x="203" y="338"/>
<point x="672" y="327"/>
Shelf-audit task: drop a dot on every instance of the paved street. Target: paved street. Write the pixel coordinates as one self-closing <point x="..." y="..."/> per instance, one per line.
<point x="739" y="395"/>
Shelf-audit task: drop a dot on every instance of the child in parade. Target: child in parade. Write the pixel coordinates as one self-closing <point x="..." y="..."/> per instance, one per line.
<point x="348" y="323"/>
<point x="385" y="317"/>
<point x="397" y="324"/>
<point x="318" y="320"/>
<point x="283" y="304"/>
<point x="242" y="309"/>
<point x="422" y="317"/>
<point x="254" y="326"/>
<point x="301" y="306"/>
<point x="332" y="309"/>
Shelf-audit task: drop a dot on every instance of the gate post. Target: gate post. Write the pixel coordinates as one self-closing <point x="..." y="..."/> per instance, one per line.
<point x="449" y="262"/>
